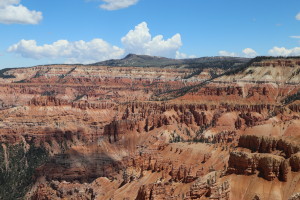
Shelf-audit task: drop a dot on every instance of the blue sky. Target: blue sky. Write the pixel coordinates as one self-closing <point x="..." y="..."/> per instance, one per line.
<point x="84" y="31"/>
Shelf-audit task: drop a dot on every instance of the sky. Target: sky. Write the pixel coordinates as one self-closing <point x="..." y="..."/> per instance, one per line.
<point x="35" y="32"/>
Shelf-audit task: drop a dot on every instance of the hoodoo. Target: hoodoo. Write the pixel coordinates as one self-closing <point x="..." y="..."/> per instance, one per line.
<point x="153" y="128"/>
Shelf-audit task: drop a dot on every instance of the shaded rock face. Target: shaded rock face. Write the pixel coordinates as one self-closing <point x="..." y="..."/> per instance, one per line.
<point x="145" y="117"/>
<point x="200" y="189"/>
<point x="249" y="120"/>
<point x="17" y="166"/>
<point x="264" y="144"/>
<point x="117" y="128"/>
<point x="295" y="162"/>
<point x="110" y="132"/>
<point x="76" y="167"/>
<point x="258" y="143"/>
<point x="53" y="101"/>
<point x="241" y="163"/>
<point x="154" y="191"/>
<point x="295" y="107"/>
<point x="47" y="101"/>
<point x="56" y="190"/>
<point x="270" y="166"/>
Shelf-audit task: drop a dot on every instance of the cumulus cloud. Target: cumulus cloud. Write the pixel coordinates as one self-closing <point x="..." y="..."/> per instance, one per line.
<point x="248" y="52"/>
<point x="117" y="4"/>
<point x="8" y="2"/>
<point x="180" y="55"/>
<point x="74" y="52"/>
<point x="140" y="41"/>
<point x="227" y="53"/>
<point x="12" y="12"/>
<point x="282" y="51"/>
<point x="298" y="16"/>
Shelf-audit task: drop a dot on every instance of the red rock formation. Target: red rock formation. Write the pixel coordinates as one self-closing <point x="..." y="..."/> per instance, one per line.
<point x="295" y="107"/>
<point x="270" y="166"/>
<point x="117" y="128"/>
<point x="295" y="162"/>
<point x="110" y="122"/>
<point x="48" y="101"/>
<point x="264" y="144"/>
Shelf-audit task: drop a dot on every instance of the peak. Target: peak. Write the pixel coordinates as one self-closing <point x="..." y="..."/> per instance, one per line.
<point x="130" y="56"/>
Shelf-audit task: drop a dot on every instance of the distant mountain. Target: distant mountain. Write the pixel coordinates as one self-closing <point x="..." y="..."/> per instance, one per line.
<point x="133" y="60"/>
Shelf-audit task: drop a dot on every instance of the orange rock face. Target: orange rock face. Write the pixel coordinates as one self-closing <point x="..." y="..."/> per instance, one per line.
<point x="156" y="133"/>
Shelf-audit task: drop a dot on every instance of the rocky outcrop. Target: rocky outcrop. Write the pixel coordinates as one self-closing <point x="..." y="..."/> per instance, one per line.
<point x="249" y="119"/>
<point x="108" y="130"/>
<point x="117" y="128"/>
<point x="48" y="101"/>
<point x="238" y="123"/>
<point x="84" y="105"/>
<point x="270" y="166"/>
<point x="73" y="166"/>
<point x="57" y="190"/>
<point x="295" y="197"/>
<point x="258" y="90"/>
<point x="241" y="163"/>
<point x="207" y="188"/>
<point x="54" y="101"/>
<point x="295" y="162"/>
<point x="264" y="144"/>
<point x="294" y="107"/>
<point x="260" y="144"/>
<point x="155" y="191"/>
<point x="279" y="62"/>
<point x="221" y="91"/>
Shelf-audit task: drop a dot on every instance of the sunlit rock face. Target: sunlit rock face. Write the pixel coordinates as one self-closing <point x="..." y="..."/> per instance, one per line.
<point x="151" y="132"/>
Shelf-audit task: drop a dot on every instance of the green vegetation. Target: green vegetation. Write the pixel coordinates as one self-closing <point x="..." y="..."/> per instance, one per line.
<point x="3" y="75"/>
<point x="78" y="97"/>
<point x="49" y="93"/>
<point x="17" y="179"/>
<point x="291" y="98"/>
<point x="133" y="60"/>
<point x="175" y="138"/>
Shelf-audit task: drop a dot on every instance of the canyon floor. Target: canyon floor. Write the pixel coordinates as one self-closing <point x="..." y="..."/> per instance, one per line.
<point x="226" y="131"/>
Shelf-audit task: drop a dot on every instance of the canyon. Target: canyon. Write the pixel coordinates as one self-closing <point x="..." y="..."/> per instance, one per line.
<point x="212" y="128"/>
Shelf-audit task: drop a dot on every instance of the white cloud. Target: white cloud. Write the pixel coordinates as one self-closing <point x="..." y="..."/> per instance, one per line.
<point x="180" y="55"/>
<point x="74" y="52"/>
<point x="298" y="16"/>
<point x="248" y="52"/>
<point x="140" y="41"/>
<point x="226" y="53"/>
<point x="117" y="4"/>
<point x="4" y="3"/>
<point x="282" y="51"/>
<point x="12" y="12"/>
<point x="295" y="37"/>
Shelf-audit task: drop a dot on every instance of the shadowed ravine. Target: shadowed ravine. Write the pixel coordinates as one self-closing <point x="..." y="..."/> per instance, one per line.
<point x="152" y="128"/>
